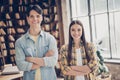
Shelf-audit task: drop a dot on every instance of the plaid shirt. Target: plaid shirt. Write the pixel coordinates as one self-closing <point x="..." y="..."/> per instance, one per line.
<point x="93" y="63"/>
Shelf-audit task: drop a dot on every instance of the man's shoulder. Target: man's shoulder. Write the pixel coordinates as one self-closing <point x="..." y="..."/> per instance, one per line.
<point x="44" y="33"/>
<point x="22" y="38"/>
<point x="47" y="35"/>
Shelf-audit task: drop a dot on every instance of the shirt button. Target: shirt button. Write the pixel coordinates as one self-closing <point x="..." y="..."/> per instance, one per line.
<point x="33" y="72"/>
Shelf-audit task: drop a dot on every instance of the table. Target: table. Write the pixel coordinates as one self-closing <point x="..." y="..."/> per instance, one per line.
<point x="12" y="76"/>
<point x="16" y="77"/>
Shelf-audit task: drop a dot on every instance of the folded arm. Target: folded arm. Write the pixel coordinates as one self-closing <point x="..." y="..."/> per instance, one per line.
<point x="38" y="62"/>
<point x="51" y="57"/>
<point x="76" y="73"/>
<point x="84" y="68"/>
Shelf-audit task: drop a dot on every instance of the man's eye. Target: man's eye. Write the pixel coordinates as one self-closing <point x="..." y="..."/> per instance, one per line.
<point x="31" y="16"/>
<point x="38" y="16"/>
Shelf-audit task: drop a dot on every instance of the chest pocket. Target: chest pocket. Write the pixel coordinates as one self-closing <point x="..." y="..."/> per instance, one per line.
<point x="44" y="47"/>
<point x="29" y="51"/>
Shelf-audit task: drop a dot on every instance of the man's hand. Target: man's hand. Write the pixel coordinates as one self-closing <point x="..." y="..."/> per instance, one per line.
<point x="30" y="59"/>
<point x="49" y="53"/>
<point x="35" y="60"/>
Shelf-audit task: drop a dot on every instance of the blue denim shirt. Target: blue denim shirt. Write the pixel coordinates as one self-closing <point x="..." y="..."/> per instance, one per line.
<point x="25" y="46"/>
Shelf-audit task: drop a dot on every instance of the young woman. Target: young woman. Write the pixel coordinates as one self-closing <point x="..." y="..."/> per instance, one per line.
<point x="77" y="59"/>
<point x="36" y="51"/>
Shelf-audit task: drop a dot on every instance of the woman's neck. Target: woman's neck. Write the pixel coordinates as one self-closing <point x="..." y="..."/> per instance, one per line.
<point x="77" y="44"/>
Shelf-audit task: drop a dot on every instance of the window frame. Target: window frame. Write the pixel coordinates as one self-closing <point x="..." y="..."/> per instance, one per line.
<point x="90" y="14"/>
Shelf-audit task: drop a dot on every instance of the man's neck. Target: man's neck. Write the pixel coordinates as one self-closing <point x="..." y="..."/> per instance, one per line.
<point x="34" y="32"/>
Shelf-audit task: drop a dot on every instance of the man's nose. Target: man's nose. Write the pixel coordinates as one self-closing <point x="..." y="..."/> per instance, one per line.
<point x="35" y="18"/>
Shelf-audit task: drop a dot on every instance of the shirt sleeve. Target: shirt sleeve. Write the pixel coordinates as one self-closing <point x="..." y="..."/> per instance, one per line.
<point x="63" y="60"/>
<point x="20" y="58"/>
<point x="93" y="63"/>
<point x="52" y="60"/>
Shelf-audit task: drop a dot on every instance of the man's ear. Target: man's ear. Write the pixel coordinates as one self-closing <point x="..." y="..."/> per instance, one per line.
<point x="27" y="19"/>
<point x="41" y="17"/>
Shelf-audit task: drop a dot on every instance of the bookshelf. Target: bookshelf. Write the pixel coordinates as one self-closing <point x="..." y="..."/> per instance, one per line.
<point x="13" y="25"/>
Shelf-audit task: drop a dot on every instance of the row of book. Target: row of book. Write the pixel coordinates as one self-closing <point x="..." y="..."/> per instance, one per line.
<point x="13" y="24"/>
<point x="22" y="8"/>
<point x="44" y="3"/>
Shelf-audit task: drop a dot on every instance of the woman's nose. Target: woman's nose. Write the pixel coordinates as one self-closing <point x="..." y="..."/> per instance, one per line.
<point x="76" y="32"/>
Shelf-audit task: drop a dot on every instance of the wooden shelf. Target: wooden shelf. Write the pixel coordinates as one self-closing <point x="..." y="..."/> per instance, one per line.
<point x="12" y="76"/>
<point x="13" y="24"/>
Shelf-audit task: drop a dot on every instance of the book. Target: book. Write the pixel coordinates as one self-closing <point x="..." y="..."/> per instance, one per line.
<point x="10" y="70"/>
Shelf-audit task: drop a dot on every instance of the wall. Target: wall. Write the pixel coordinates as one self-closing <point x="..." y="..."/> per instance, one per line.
<point x="115" y="70"/>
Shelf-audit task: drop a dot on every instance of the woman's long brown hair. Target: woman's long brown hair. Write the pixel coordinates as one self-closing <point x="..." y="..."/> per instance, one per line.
<point x="70" y="44"/>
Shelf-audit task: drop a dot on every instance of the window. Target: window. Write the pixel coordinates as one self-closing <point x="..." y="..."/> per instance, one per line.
<point x="98" y="6"/>
<point x="101" y="21"/>
<point x="79" y="8"/>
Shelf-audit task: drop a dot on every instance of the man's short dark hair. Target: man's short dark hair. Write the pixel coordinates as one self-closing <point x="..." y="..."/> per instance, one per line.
<point x="37" y="8"/>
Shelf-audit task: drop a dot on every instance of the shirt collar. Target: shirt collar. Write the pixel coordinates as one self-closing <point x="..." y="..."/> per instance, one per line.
<point x="81" y="43"/>
<point x="28" y="34"/>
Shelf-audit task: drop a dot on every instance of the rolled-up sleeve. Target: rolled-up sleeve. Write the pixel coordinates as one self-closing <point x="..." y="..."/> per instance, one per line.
<point x="52" y="60"/>
<point x="20" y="58"/>
<point x="93" y="63"/>
<point x="63" y="61"/>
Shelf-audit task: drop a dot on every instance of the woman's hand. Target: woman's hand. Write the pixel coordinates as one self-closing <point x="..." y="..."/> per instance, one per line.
<point x="84" y="68"/>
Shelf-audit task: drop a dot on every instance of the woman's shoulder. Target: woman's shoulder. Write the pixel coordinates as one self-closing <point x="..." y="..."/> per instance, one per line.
<point x="64" y="50"/>
<point x="90" y="45"/>
<point x="65" y="46"/>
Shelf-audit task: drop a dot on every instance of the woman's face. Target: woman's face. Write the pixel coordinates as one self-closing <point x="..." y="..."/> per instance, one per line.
<point x="34" y="19"/>
<point x="76" y="32"/>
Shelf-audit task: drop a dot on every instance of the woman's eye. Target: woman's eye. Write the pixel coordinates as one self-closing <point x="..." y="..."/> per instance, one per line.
<point x="72" y="30"/>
